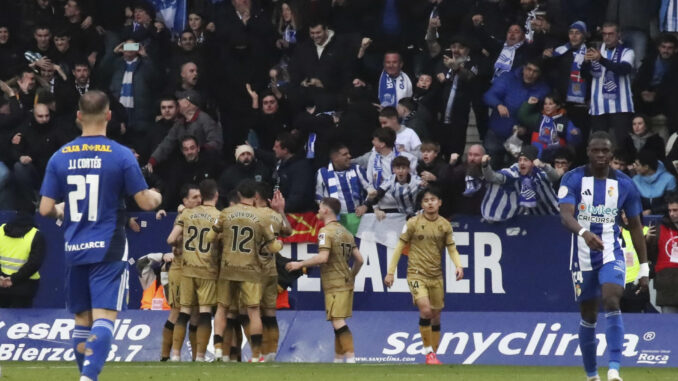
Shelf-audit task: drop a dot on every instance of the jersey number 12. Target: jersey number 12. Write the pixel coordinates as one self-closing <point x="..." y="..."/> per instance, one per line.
<point x="82" y="192"/>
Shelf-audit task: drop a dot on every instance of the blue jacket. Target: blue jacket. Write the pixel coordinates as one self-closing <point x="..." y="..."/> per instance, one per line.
<point x="510" y="90"/>
<point x="653" y="188"/>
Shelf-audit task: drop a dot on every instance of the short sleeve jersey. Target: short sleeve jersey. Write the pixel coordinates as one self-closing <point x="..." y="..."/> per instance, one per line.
<point x="244" y="231"/>
<point x="597" y="207"/>
<point x="335" y="274"/>
<point x="93" y="175"/>
<point x="426" y="239"/>
<point x="274" y="219"/>
<point x="199" y="258"/>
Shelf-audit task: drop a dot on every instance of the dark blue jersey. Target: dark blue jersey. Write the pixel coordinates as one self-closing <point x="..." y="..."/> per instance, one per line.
<point x="93" y="175"/>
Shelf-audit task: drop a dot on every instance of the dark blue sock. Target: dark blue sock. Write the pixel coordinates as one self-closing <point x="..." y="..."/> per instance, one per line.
<point x="587" y="344"/>
<point x="614" y="334"/>
<point x="79" y="336"/>
<point x="97" y="348"/>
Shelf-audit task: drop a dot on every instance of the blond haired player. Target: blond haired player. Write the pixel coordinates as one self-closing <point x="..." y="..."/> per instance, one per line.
<point x="200" y="266"/>
<point x="244" y="234"/>
<point x="336" y="247"/>
<point x="427" y="234"/>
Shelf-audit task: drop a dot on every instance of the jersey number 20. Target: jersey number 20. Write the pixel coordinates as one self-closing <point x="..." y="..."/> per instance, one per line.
<point x="82" y="192"/>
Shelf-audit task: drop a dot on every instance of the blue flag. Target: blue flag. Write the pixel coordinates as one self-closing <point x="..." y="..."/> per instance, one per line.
<point x="173" y="13"/>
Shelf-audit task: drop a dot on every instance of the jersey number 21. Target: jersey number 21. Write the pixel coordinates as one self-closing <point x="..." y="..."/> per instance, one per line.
<point x="86" y="187"/>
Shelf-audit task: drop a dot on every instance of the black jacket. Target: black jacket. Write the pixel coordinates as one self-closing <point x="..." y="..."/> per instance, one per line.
<point x="296" y="182"/>
<point x="39" y="141"/>
<point x="235" y="173"/>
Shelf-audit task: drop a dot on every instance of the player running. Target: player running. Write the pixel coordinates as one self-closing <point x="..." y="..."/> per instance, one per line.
<point x="427" y="234"/>
<point x="94" y="175"/>
<point x="591" y="200"/>
<point x="200" y="269"/>
<point x="336" y="247"/>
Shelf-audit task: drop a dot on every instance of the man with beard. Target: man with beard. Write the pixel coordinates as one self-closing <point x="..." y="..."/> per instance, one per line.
<point x="32" y="147"/>
<point x="169" y="111"/>
<point x="246" y="167"/>
<point x="194" y="166"/>
<point x="271" y="120"/>
<point x="465" y="179"/>
<point x="67" y="96"/>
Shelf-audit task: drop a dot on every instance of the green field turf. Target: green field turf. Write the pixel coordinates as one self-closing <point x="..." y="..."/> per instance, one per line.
<point x="315" y="372"/>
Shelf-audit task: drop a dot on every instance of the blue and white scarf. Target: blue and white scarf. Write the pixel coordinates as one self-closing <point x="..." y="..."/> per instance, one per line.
<point x="611" y="79"/>
<point x="378" y="169"/>
<point x="504" y="62"/>
<point x="127" y="89"/>
<point x="347" y="181"/>
<point x="392" y="89"/>
<point x="576" y="89"/>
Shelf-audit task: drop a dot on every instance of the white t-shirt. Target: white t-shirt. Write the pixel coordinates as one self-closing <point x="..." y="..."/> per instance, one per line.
<point x="408" y="141"/>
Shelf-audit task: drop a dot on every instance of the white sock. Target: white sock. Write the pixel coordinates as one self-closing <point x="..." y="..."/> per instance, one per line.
<point x="428" y="350"/>
<point x="350" y="360"/>
<point x="338" y="360"/>
<point x="85" y="378"/>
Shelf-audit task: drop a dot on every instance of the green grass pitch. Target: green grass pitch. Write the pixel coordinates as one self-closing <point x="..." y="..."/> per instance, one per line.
<point x="36" y="371"/>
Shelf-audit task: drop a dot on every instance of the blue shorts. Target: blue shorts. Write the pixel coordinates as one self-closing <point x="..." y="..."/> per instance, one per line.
<point x="587" y="284"/>
<point x="97" y="285"/>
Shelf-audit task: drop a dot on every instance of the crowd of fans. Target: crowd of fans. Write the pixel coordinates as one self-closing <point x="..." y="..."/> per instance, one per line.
<point x="368" y="101"/>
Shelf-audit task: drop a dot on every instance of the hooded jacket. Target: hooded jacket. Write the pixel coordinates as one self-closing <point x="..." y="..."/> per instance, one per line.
<point x="652" y="189"/>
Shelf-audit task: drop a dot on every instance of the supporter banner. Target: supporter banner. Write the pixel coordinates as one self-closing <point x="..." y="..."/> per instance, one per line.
<point x="173" y="13"/>
<point x="545" y="339"/>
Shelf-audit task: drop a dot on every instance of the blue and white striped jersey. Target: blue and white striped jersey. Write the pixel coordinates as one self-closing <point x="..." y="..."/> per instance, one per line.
<point x="598" y="204"/>
<point x="611" y="92"/>
<point x="405" y="195"/>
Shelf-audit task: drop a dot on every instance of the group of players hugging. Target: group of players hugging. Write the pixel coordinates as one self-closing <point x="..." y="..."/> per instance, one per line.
<point x="227" y="259"/>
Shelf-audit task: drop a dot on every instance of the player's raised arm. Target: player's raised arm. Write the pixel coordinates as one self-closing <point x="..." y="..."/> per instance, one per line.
<point x="357" y="261"/>
<point x="148" y="199"/>
<point x="49" y="208"/>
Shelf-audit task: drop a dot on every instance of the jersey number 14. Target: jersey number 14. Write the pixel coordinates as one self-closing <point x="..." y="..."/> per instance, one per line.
<point x="86" y="187"/>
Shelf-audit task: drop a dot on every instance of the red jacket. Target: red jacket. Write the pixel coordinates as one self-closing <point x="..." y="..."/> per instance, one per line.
<point x="667" y="245"/>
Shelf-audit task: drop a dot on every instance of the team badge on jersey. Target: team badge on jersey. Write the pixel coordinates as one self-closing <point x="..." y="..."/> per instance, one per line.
<point x="321" y="238"/>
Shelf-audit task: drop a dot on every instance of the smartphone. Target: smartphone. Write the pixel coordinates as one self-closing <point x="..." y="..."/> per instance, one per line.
<point x="131" y="47"/>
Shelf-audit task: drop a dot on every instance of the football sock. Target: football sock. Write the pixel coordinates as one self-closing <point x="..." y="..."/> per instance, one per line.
<point x="271" y="334"/>
<point x="614" y="334"/>
<point x="218" y="341"/>
<point x="193" y="339"/>
<point x="180" y="331"/>
<point x="228" y="337"/>
<point x="587" y="344"/>
<point x="255" y="343"/>
<point x="80" y="335"/>
<point x="204" y="332"/>
<point x="435" y="336"/>
<point x="97" y="347"/>
<point x="238" y="342"/>
<point x="167" y="333"/>
<point x="346" y="339"/>
<point x="425" y="330"/>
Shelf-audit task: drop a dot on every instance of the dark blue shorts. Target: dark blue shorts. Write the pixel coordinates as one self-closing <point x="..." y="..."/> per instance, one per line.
<point x="587" y="284"/>
<point x="97" y="285"/>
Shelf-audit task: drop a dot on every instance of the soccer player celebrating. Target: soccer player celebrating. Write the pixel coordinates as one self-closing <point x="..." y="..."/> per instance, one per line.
<point x="336" y="246"/>
<point x="190" y="198"/>
<point x="274" y="208"/>
<point x="427" y="234"/>
<point x="94" y="175"/>
<point x="591" y="200"/>
<point x="200" y="266"/>
<point x="244" y="236"/>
